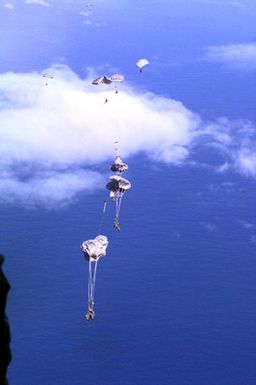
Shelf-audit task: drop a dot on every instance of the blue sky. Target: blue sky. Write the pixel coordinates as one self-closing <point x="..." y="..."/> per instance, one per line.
<point x="198" y="91"/>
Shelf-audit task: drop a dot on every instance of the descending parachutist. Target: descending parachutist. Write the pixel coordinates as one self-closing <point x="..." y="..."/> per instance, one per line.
<point x="116" y="147"/>
<point x="118" y="185"/>
<point x="90" y="314"/>
<point x="93" y="250"/>
<point x="142" y="63"/>
<point x="116" y="224"/>
<point x="117" y="78"/>
<point x="47" y="76"/>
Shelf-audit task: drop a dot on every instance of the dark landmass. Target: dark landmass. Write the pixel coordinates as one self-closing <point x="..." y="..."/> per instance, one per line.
<point x="5" y="351"/>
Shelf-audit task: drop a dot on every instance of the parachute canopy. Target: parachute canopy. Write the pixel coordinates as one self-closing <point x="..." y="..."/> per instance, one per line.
<point x="119" y="166"/>
<point x="142" y="63"/>
<point x="47" y="75"/>
<point x="95" y="248"/>
<point x="118" y="186"/>
<point x="117" y="78"/>
<point x="102" y="80"/>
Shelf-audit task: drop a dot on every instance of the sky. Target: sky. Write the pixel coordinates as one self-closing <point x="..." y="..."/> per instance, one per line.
<point x="197" y="93"/>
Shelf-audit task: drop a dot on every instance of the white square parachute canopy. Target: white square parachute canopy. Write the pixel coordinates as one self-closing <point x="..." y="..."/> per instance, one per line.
<point x="95" y="248"/>
<point x="142" y="63"/>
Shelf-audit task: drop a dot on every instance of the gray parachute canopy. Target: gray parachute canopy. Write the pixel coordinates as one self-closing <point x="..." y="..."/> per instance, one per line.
<point x="118" y="165"/>
<point x="47" y="75"/>
<point x="102" y="80"/>
<point x="95" y="248"/>
<point x="117" y="186"/>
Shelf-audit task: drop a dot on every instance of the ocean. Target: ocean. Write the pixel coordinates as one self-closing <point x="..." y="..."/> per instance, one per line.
<point x="175" y="294"/>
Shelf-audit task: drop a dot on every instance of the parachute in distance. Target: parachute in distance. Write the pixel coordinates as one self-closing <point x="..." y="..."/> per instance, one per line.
<point x="117" y="187"/>
<point x="93" y="250"/>
<point x="48" y="77"/>
<point x="119" y="166"/>
<point x="142" y="63"/>
<point x="117" y="78"/>
<point x="102" y="80"/>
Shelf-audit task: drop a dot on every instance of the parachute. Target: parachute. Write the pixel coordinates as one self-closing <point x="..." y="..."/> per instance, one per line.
<point x="119" y="166"/>
<point x="93" y="250"/>
<point x="47" y="76"/>
<point x="117" y="78"/>
<point x="117" y="187"/>
<point x="102" y="80"/>
<point x="142" y="63"/>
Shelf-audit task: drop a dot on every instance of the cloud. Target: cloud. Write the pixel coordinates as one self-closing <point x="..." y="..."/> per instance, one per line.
<point x="85" y="13"/>
<point x="236" y="140"/>
<point x="236" y="55"/>
<point x="39" y="2"/>
<point x="53" y="189"/>
<point x="87" y="22"/>
<point x="209" y="226"/>
<point x="233" y="3"/>
<point x="246" y="162"/>
<point x="9" y="6"/>
<point x="55" y="138"/>
<point x="247" y="225"/>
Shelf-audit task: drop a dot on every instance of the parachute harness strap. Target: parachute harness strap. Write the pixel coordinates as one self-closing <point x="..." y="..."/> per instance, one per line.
<point x="91" y="283"/>
<point x="118" y="203"/>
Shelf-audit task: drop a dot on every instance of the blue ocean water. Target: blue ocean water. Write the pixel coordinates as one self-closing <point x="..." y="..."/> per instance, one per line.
<point x="175" y="295"/>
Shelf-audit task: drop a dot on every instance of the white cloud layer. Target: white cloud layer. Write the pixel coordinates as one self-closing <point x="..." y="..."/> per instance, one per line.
<point x="237" y="55"/>
<point x="9" y="6"/>
<point x="232" y="3"/>
<point x="53" y="138"/>
<point x="39" y="2"/>
<point x="47" y="188"/>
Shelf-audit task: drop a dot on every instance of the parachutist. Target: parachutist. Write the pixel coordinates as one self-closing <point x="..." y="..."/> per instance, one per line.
<point x="119" y="166"/>
<point x="93" y="250"/>
<point x="90" y="314"/>
<point x="116" y="224"/>
<point x="142" y="63"/>
<point x="47" y="76"/>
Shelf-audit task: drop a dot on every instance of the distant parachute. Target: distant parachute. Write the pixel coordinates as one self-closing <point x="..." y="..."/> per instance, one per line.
<point x="93" y="250"/>
<point x="142" y="63"/>
<point x="117" y="78"/>
<point x="47" y="76"/>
